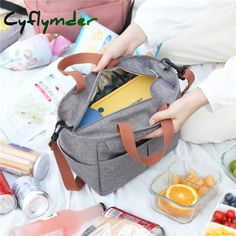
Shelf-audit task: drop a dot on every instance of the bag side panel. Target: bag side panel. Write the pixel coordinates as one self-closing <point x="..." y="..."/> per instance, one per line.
<point x="80" y="149"/>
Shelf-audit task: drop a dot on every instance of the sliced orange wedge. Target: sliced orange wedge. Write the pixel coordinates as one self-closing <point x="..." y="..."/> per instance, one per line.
<point x="182" y="194"/>
<point x="179" y="193"/>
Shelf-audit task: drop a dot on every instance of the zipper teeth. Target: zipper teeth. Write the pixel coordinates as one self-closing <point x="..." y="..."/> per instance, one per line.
<point x="113" y="114"/>
<point x="92" y="91"/>
<point x="88" y="101"/>
<point x="122" y="68"/>
<point x="157" y="125"/>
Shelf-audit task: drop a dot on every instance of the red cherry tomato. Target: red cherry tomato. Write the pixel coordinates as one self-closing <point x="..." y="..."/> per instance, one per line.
<point x="217" y="221"/>
<point x="218" y="215"/>
<point x="233" y="221"/>
<point x="224" y="219"/>
<point x="230" y="214"/>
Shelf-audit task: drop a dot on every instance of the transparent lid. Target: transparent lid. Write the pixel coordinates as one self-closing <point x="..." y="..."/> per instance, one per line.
<point x="228" y="160"/>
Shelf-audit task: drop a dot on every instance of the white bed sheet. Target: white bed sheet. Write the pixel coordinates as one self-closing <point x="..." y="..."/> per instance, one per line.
<point x="134" y="196"/>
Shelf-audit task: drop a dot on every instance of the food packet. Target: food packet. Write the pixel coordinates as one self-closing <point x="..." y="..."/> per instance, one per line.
<point x="36" y="51"/>
<point x="109" y="226"/>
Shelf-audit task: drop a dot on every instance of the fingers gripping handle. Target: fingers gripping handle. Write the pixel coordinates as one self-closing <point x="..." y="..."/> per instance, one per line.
<point x="80" y="58"/>
<point x="128" y="141"/>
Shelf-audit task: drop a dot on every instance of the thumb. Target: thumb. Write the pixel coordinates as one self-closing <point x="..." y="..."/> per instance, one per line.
<point x="104" y="61"/>
<point x="161" y="115"/>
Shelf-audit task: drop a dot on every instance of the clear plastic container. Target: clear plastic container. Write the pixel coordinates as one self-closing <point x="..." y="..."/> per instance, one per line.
<point x="226" y="159"/>
<point x="214" y="227"/>
<point x="176" y="174"/>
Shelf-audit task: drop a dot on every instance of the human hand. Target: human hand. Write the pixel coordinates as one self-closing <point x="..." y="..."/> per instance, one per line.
<point x="116" y="48"/>
<point x="179" y="111"/>
<point x="123" y="45"/>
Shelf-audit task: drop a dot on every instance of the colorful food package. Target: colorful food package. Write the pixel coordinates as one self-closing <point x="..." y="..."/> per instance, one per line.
<point x="116" y="227"/>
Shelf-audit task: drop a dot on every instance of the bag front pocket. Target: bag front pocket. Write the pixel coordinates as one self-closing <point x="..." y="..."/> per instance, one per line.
<point x="118" y="171"/>
<point x="88" y="173"/>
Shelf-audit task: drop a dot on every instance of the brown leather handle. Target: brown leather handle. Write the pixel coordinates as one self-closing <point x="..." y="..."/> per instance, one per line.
<point x="80" y="58"/>
<point x="128" y="141"/>
<point x="189" y="76"/>
<point x="66" y="174"/>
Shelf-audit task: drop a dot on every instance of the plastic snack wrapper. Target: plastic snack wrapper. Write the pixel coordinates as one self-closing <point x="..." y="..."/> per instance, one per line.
<point x="108" y="226"/>
<point x="94" y="36"/>
<point x="36" y="51"/>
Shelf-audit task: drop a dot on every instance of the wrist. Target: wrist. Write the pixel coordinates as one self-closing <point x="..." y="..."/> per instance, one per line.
<point x="195" y="99"/>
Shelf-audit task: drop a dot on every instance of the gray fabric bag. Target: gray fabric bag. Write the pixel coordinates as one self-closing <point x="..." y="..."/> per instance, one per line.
<point x="111" y="151"/>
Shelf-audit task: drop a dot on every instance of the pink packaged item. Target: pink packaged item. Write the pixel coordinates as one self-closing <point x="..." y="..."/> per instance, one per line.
<point x="59" y="46"/>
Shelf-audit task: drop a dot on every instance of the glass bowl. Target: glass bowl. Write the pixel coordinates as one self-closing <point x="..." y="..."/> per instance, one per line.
<point x="177" y="175"/>
<point x="226" y="159"/>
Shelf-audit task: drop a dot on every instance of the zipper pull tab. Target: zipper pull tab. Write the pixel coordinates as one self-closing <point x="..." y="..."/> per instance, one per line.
<point x="61" y="124"/>
<point x="156" y="75"/>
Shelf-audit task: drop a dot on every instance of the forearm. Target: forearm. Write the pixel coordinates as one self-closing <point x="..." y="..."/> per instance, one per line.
<point x="133" y="36"/>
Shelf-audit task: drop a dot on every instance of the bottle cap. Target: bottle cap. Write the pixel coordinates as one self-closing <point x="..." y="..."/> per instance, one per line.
<point x="41" y="167"/>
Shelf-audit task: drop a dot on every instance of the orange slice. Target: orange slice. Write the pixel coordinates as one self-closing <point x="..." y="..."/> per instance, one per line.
<point x="182" y="194"/>
<point x="160" y="202"/>
<point x="172" y="209"/>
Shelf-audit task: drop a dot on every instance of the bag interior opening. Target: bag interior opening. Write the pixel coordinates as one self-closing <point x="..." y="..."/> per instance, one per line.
<point x="116" y="89"/>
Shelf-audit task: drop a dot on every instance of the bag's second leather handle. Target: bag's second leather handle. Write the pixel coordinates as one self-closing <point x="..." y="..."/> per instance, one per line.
<point x="189" y="76"/>
<point x="128" y="141"/>
<point x="66" y="174"/>
<point x="80" y="58"/>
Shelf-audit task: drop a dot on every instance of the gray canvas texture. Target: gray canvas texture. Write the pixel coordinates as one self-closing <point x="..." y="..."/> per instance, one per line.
<point x="95" y="152"/>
